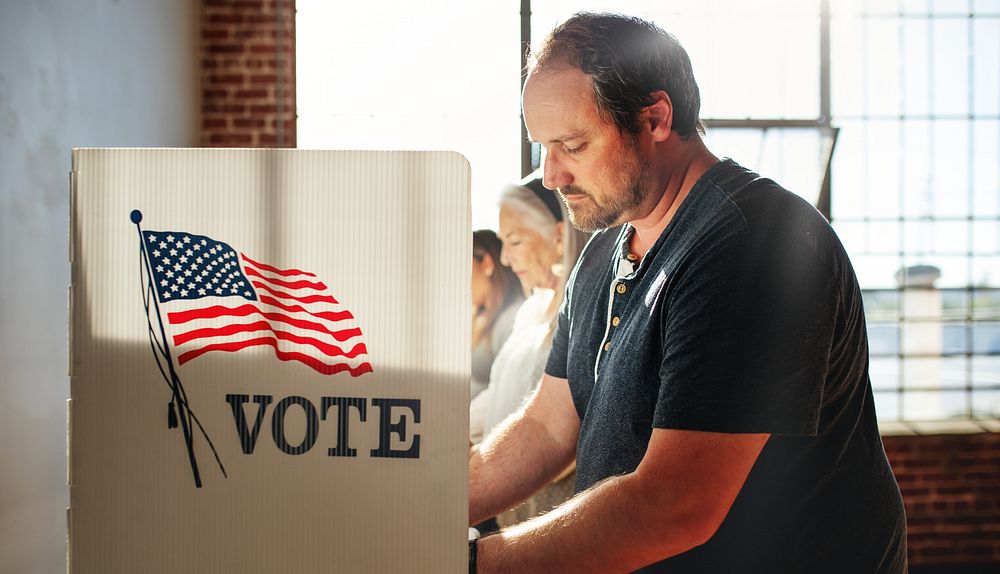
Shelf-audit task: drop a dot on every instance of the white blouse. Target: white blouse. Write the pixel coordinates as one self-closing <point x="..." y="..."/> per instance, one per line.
<point x="517" y="367"/>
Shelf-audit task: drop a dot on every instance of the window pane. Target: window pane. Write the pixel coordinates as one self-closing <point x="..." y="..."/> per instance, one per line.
<point x="950" y="48"/>
<point x="955" y="341"/>
<point x="986" y="237"/>
<point x="986" y="271"/>
<point x="883" y="67"/>
<point x="986" y="167"/>
<point x="933" y="405"/>
<point x="985" y="372"/>
<point x="986" y="304"/>
<point x="986" y="65"/>
<point x="884" y="168"/>
<point x="986" y="404"/>
<point x="850" y="160"/>
<point x="884" y="373"/>
<point x="916" y="66"/>
<point x="884" y="237"/>
<point x="847" y="60"/>
<point x="950" y="175"/>
<point x="883" y="343"/>
<point x="917" y="202"/>
<point x="887" y="405"/>
<point x="986" y="7"/>
<point x="986" y="337"/>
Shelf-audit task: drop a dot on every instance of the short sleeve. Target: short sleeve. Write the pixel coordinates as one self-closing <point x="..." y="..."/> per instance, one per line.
<point x="746" y="331"/>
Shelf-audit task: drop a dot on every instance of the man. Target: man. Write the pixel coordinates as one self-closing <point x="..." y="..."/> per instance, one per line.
<point x="709" y="370"/>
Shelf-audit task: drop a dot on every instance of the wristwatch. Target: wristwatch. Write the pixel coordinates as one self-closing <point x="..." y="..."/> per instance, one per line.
<point x="473" y="539"/>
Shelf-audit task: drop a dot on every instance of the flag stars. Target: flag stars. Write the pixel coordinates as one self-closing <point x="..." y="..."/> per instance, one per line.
<point x="177" y="267"/>
<point x="218" y="290"/>
<point x="173" y="252"/>
<point x="156" y="253"/>
<point x="163" y="245"/>
<point x="159" y="269"/>
<point x="169" y="274"/>
<point x="173" y="287"/>
<point x="180" y="245"/>
<point x="150" y="237"/>
<point x="187" y="239"/>
<point x="170" y="239"/>
<point x="184" y="293"/>
<point x="183" y="259"/>
<point x="166" y="261"/>
<point x="164" y="283"/>
<point x="202" y="292"/>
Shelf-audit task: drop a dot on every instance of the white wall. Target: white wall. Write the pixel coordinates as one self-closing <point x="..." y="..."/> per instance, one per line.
<point x="73" y="73"/>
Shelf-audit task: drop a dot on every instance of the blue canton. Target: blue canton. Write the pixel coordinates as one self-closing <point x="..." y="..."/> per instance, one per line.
<point x="186" y="266"/>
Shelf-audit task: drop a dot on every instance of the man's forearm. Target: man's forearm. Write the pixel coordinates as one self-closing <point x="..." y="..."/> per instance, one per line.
<point x="613" y="527"/>
<point x="512" y="464"/>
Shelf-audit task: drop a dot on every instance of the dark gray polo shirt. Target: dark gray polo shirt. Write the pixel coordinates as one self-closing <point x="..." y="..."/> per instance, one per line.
<point x="744" y="317"/>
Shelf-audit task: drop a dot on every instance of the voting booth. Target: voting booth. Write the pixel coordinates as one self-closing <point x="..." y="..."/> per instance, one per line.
<point x="269" y="361"/>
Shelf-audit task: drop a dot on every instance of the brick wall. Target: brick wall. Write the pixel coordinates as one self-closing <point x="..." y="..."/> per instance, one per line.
<point x="951" y="489"/>
<point x="248" y="73"/>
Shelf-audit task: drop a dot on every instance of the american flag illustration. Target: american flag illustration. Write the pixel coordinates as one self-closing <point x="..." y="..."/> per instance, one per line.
<point x="218" y="300"/>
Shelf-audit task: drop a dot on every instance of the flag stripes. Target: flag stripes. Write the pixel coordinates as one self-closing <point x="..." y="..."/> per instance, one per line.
<point x="221" y="301"/>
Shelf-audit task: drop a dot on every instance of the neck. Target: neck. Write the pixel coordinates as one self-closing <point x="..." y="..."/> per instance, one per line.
<point x="681" y="167"/>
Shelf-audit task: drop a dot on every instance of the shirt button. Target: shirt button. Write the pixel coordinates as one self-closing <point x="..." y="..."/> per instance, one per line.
<point x="620" y="288"/>
<point x="607" y="346"/>
<point x="615" y="321"/>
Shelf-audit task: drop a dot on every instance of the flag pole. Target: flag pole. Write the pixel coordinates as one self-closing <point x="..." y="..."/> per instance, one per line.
<point x="179" y="397"/>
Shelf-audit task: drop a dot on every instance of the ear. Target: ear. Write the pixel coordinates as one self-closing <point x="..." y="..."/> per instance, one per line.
<point x="658" y="117"/>
<point x="488" y="265"/>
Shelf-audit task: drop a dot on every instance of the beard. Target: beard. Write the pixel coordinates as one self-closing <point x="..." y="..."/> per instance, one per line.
<point x="614" y="207"/>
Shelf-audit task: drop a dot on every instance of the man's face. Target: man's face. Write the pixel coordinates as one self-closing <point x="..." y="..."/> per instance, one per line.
<point x="596" y="168"/>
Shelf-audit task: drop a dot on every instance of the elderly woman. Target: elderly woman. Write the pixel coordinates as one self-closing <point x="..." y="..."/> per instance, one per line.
<point x="541" y="247"/>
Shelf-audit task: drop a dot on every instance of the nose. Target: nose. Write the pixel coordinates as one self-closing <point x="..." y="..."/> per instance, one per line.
<point x="504" y="259"/>
<point x="554" y="173"/>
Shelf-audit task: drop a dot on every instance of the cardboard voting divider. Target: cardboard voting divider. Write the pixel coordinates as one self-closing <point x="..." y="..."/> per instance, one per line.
<point x="269" y="361"/>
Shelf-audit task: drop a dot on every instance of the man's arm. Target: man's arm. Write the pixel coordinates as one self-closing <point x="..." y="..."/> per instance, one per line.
<point x="527" y="450"/>
<point x="675" y="500"/>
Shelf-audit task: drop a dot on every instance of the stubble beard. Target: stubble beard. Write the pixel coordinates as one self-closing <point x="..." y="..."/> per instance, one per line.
<point x="614" y="208"/>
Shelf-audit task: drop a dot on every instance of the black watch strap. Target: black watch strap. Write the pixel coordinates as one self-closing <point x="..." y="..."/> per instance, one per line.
<point x="473" y="549"/>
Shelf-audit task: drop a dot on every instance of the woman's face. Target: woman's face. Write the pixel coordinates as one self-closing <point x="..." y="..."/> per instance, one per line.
<point x="530" y="247"/>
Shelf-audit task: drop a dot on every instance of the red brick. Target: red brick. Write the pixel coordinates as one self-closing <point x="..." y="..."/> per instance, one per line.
<point x="249" y="122"/>
<point x="227" y="48"/>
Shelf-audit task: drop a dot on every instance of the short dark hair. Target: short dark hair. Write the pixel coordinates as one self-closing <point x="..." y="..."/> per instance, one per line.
<point x="627" y="59"/>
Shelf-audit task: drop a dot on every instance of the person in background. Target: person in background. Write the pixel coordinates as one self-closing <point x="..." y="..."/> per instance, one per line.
<point x="496" y="296"/>
<point x="541" y="248"/>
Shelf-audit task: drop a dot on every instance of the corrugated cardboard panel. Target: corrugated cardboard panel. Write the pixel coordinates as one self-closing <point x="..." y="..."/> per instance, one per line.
<point x="388" y="236"/>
